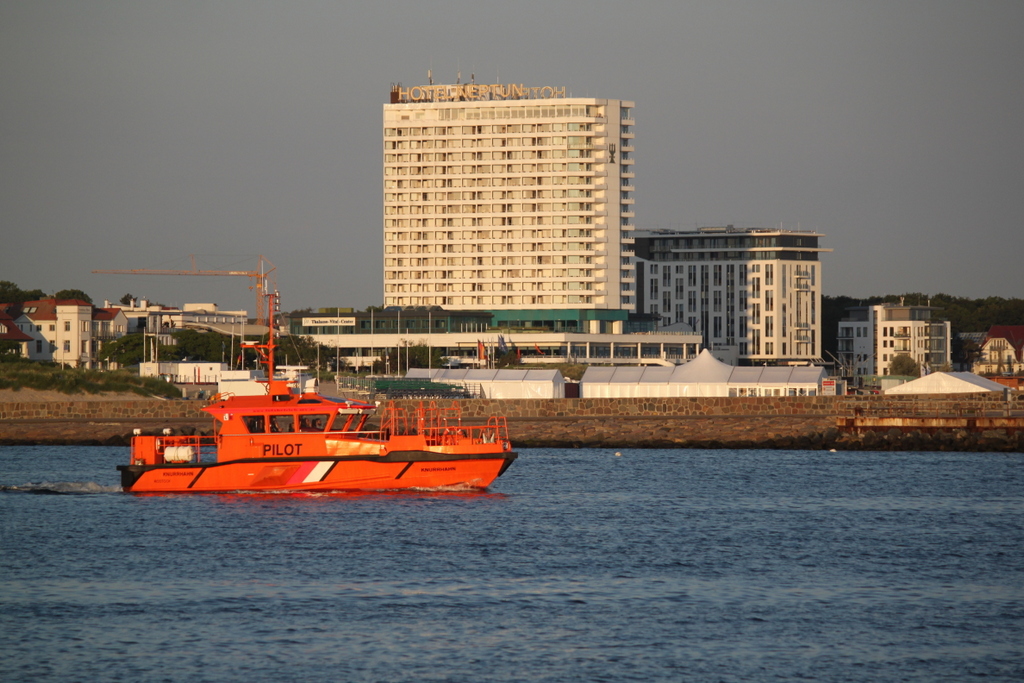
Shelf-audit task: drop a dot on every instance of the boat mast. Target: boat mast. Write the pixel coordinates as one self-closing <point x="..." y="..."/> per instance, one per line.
<point x="266" y="351"/>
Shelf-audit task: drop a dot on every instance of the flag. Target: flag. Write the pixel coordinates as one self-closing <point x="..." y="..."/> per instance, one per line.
<point x="539" y="351"/>
<point x="502" y="346"/>
<point x="481" y="352"/>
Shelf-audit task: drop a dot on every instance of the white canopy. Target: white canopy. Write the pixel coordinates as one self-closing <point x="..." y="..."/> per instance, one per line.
<point x="947" y="383"/>
<point x="705" y="375"/>
<point x="498" y="383"/>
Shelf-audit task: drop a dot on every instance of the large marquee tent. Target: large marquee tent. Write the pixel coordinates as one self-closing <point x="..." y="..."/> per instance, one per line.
<point x="705" y="375"/>
<point x="947" y="383"/>
<point x="498" y="383"/>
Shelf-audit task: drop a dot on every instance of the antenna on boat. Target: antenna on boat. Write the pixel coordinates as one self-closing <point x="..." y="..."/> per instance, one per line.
<point x="266" y="351"/>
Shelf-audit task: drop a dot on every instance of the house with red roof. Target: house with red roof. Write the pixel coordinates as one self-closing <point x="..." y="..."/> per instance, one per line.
<point x="1002" y="352"/>
<point x="66" y="331"/>
<point x="9" y="332"/>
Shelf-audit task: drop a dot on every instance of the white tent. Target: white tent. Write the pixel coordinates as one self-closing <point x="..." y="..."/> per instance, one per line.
<point x="705" y="375"/>
<point x="498" y="383"/>
<point x="947" y="383"/>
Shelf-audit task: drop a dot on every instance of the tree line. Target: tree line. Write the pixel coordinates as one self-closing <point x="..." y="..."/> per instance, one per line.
<point x="964" y="315"/>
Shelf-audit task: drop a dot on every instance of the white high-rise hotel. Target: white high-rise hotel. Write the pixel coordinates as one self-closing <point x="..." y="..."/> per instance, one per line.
<point x="512" y="199"/>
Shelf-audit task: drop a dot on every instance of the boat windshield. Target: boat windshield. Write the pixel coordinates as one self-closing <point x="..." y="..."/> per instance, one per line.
<point x="313" y="423"/>
<point x="282" y="423"/>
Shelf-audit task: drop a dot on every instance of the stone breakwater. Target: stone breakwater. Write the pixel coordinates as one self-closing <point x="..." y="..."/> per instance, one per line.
<point x="782" y="422"/>
<point x="785" y="422"/>
<point x="97" y="422"/>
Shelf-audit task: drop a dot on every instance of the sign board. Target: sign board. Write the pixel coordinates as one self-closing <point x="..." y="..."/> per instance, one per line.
<point x="329" y="322"/>
<point x="463" y="92"/>
<point x="828" y="387"/>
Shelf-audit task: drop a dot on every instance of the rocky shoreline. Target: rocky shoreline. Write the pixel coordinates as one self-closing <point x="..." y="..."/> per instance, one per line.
<point x="792" y="433"/>
<point x="716" y="423"/>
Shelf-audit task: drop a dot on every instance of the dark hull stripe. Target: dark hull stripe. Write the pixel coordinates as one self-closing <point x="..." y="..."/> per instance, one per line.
<point x="131" y="473"/>
<point x="404" y="469"/>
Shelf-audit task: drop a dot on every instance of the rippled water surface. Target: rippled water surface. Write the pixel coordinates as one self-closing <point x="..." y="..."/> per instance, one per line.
<point x="576" y="565"/>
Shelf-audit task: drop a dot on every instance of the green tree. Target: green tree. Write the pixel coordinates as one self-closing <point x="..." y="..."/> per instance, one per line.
<point x="9" y="350"/>
<point x="129" y="350"/>
<point x="398" y="360"/>
<point x="126" y="300"/>
<point x="210" y="347"/>
<point x="11" y="293"/>
<point x="506" y="360"/>
<point x="73" y="294"/>
<point x="297" y="349"/>
<point x="905" y="366"/>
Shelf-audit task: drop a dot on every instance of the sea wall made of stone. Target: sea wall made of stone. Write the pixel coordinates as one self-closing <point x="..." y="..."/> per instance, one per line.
<point x="707" y="422"/>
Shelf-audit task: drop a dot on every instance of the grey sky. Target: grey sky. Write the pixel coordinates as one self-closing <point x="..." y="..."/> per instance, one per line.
<point x="135" y="133"/>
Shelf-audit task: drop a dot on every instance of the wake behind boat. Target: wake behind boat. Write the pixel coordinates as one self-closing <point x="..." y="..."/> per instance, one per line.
<point x="286" y="440"/>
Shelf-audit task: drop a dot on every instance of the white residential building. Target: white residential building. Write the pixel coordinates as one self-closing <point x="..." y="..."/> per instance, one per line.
<point x="870" y="338"/>
<point x="67" y="331"/>
<point x="509" y="199"/>
<point x="752" y="292"/>
<point x="1002" y="351"/>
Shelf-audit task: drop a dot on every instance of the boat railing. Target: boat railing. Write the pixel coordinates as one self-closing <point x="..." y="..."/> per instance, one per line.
<point x="174" y="449"/>
<point x="442" y="425"/>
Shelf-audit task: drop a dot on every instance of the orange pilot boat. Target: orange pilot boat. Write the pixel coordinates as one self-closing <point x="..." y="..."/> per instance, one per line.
<point x="290" y="441"/>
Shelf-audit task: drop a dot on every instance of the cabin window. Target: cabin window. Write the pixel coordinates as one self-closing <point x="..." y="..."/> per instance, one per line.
<point x="282" y="423"/>
<point x="342" y="422"/>
<point x="313" y="423"/>
<point x="254" y="423"/>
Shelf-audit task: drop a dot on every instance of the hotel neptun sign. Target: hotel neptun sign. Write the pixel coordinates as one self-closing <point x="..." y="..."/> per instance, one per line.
<point x="468" y="92"/>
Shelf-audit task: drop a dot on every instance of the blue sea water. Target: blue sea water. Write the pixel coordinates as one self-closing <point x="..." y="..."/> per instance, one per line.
<point x="577" y="565"/>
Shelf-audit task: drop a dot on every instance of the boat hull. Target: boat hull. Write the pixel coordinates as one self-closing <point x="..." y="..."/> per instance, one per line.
<point x="394" y="471"/>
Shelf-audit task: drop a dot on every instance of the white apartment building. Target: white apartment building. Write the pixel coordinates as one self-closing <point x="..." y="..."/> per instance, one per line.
<point x="752" y="292"/>
<point x="870" y="337"/>
<point x="508" y="198"/>
<point x="66" y="331"/>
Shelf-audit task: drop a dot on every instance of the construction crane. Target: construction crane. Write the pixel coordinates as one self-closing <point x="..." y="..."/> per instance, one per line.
<point x="263" y="285"/>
